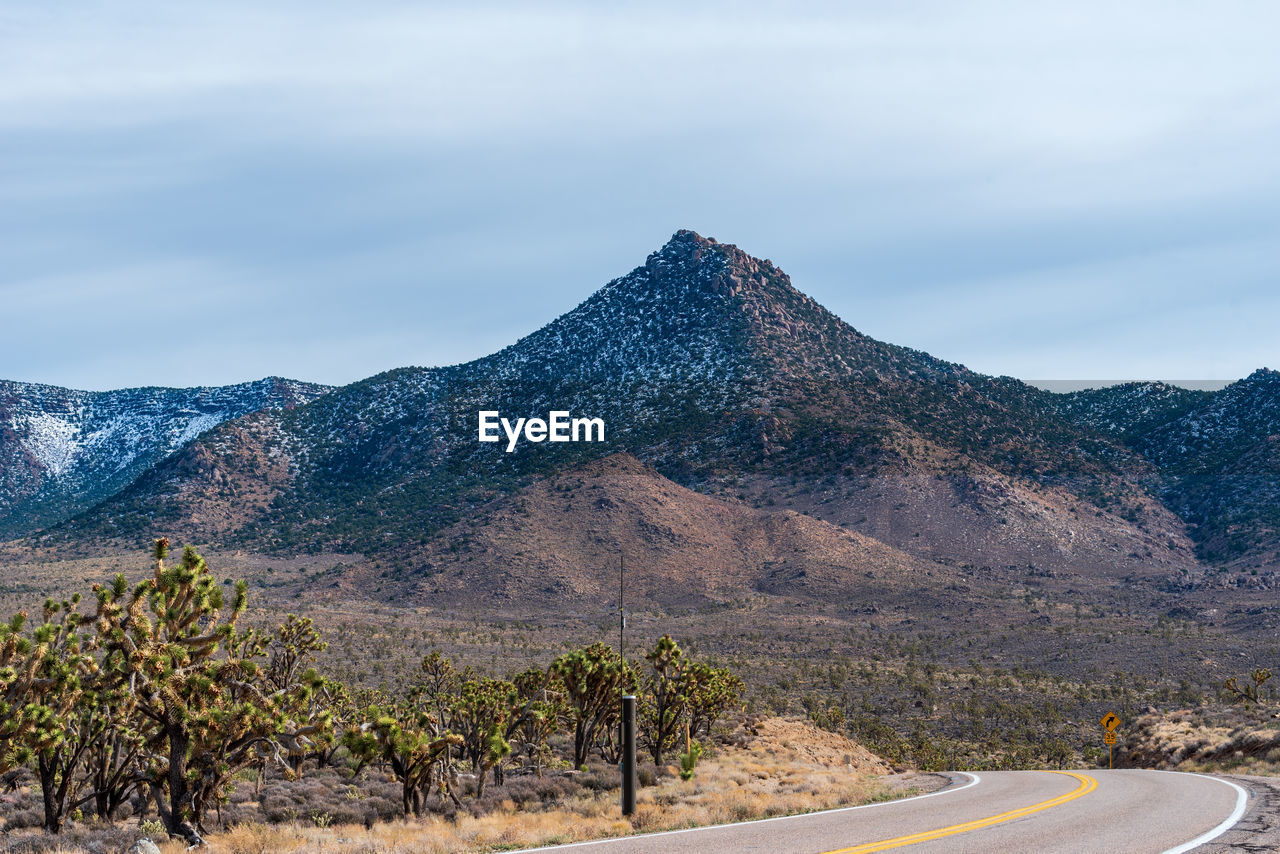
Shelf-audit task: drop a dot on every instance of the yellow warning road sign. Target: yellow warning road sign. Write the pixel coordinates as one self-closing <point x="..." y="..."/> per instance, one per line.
<point x="1109" y="738"/>
<point x="1110" y="721"/>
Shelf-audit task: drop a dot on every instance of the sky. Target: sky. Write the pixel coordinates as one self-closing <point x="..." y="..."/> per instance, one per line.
<point x="199" y="194"/>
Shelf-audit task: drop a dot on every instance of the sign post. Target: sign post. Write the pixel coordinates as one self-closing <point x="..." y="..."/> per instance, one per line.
<point x="1109" y="723"/>
<point x="628" y="755"/>
<point x="628" y="722"/>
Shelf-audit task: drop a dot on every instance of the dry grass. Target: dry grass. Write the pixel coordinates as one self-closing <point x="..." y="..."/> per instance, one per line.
<point x="737" y="785"/>
<point x="785" y="767"/>
<point x="1214" y="738"/>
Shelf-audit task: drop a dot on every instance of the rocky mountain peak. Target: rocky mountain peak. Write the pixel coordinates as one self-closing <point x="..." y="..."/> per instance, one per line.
<point x="1263" y="377"/>
<point x="1254" y="400"/>
<point x="721" y="268"/>
<point x="685" y="248"/>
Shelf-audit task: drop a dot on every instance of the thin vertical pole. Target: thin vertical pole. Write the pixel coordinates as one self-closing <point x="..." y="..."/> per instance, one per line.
<point x="628" y="722"/>
<point x="628" y="755"/>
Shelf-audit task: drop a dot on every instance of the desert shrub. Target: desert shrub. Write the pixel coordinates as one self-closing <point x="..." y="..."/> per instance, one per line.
<point x="152" y="829"/>
<point x="598" y="777"/>
<point x="525" y="791"/>
<point x="382" y="789"/>
<point x="647" y="775"/>
<point x="88" y="838"/>
<point x="30" y="845"/>
<point x="541" y="790"/>
<point x="493" y="800"/>
<point x="296" y="800"/>
<point x="22" y="817"/>
<point x="381" y="808"/>
<point x="22" y="810"/>
<point x="243" y="793"/>
<point x="345" y="813"/>
<point x="232" y="814"/>
<point x="279" y="807"/>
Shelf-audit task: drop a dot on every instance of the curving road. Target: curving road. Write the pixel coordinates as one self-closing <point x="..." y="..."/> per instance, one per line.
<point x="1073" y="812"/>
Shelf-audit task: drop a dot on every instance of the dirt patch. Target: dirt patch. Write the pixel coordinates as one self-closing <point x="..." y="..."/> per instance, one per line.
<point x="787" y="738"/>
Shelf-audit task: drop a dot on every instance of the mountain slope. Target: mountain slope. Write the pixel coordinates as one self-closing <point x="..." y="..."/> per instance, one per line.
<point x="1217" y="455"/>
<point x="62" y="450"/>
<point x="560" y="539"/>
<point x="1129" y="411"/>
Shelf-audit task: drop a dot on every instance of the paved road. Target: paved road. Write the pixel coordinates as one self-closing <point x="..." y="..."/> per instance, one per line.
<point x="1074" y="812"/>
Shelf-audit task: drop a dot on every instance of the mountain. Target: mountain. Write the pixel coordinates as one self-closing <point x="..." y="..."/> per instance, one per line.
<point x="63" y="451"/>
<point x="1217" y="455"/>
<point x="706" y="365"/>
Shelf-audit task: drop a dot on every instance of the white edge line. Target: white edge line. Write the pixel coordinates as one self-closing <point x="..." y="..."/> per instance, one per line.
<point x="1242" y="800"/>
<point x="973" y="781"/>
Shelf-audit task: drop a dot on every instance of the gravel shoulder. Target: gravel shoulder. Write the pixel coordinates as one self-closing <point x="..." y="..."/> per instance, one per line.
<point x="922" y="782"/>
<point x="1259" y="831"/>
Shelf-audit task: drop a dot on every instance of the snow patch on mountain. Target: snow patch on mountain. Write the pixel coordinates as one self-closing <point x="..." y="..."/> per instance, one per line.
<point x="53" y="441"/>
<point x="196" y="426"/>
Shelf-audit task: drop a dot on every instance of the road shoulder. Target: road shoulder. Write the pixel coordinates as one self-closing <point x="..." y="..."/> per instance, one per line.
<point x="922" y="782"/>
<point x="1258" y="832"/>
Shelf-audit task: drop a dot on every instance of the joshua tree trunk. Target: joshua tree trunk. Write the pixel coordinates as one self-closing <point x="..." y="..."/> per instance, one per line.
<point x="178" y="814"/>
<point x="56" y="768"/>
<point x="48" y="792"/>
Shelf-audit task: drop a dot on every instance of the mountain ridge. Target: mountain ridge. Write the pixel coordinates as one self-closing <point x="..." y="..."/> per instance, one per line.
<point x="63" y="450"/>
<point x="711" y="367"/>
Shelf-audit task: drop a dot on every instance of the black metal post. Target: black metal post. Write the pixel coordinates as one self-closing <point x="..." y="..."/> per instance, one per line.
<point x="628" y="755"/>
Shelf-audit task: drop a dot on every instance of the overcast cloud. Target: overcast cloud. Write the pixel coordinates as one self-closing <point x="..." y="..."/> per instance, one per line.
<point x="210" y="193"/>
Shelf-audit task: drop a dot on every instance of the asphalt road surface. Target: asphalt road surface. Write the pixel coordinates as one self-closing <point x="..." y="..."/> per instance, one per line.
<point x="1072" y="812"/>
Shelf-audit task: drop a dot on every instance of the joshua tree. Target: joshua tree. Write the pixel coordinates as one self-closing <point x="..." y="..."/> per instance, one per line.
<point x="712" y="692"/>
<point x="409" y="739"/>
<point x="496" y="749"/>
<point x="544" y="705"/>
<point x="478" y="711"/>
<point x="206" y="709"/>
<point x="689" y="759"/>
<point x="42" y="682"/>
<point x="111" y="761"/>
<point x="1250" y="692"/>
<point x="666" y="698"/>
<point x="305" y="695"/>
<point x="594" y="679"/>
<point x="335" y="698"/>
<point x="439" y="680"/>
<point x="295" y="641"/>
<point x="41" y="678"/>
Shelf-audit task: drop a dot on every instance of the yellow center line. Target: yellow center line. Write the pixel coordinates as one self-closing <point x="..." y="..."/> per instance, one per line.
<point x="1087" y="785"/>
